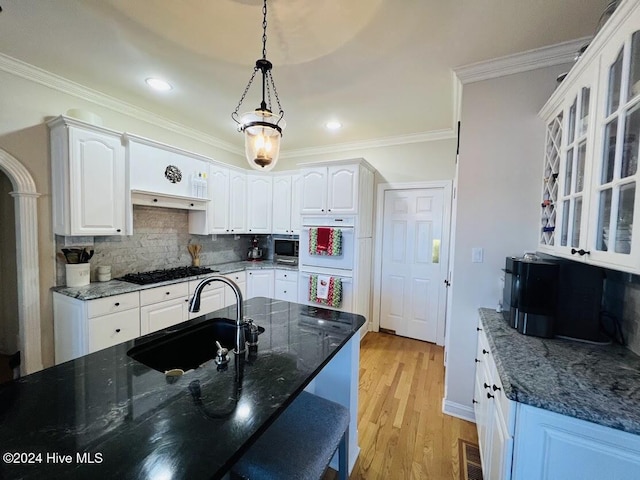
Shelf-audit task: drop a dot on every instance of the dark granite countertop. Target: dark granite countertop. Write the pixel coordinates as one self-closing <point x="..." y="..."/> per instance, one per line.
<point x="135" y="423"/>
<point x="97" y="290"/>
<point x="600" y="384"/>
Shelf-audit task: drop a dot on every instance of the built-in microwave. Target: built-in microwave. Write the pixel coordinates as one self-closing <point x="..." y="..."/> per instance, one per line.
<point x="285" y="250"/>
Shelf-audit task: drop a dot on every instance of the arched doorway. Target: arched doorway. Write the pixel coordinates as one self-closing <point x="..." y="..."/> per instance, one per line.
<point x="26" y="215"/>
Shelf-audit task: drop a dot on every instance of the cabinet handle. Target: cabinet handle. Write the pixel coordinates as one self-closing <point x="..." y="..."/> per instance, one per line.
<point x="474" y="401"/>
<point x="496" y="388"/>
<point x="486" y="386"/>
<point x="478" y="329"/>
<point x="490" y="396"/>
<point x="485" y="351"/>
<point x="117" y="330"/>
<point x="117" y="304"/>
<point x="447" y="283"/>
<point x="477" y="361"/>
<point x="582" y="252"/>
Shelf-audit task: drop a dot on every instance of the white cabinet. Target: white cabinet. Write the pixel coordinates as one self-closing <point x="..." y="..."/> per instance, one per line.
<point x="286" y="203"/>
<point x="286" y="285"/>
<point x="259" y="203"/>
<point x="88" y="179"/>
<point x="550" y="446"/>
<point x="161" y="169"/>
<point x="589" y="202"/>
<point x="82" y="327"/>
<point x="332" y="189"/>
<point x="211" y="298"/>
<point x="240" y="279"/>
<point x="494" y="415"/>
<point x="339" y="188"/>
<point x="226" y="212"/>
<point x="162" y="307"/>
<point x="260" y="283"/>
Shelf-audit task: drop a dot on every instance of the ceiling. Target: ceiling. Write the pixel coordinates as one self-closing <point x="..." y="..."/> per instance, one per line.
<point x="381" y="67"/>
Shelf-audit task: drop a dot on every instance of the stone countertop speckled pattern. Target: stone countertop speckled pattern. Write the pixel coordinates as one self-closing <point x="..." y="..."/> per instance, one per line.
<point x="600" y="384"/>
<point x="97" y="290"/>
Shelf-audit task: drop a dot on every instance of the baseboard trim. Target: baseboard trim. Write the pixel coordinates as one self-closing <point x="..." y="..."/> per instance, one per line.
<point x="458" y="410"/>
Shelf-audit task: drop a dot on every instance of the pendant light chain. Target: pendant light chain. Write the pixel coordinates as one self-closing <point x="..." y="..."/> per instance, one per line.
<point x="264" y="30"/>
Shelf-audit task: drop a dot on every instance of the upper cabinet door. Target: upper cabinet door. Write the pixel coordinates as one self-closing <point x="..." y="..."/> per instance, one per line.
<point x="259" y="203"/>
<point x="342" y="181"/>
<point x="218" y="209"/>
<point x="88" y="170"/>
<point x="282" y="204"/>
<point x="314" y="190"/>
<point x="237" y="202"/>
<point x="615" y="202"/>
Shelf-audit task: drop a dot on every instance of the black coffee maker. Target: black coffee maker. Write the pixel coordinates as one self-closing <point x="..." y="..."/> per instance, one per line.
<point x="530" y="296"/>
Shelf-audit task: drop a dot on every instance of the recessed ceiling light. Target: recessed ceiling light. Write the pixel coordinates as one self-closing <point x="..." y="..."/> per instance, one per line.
<point x="158" y="84"/>
<point x="333" y="125"/>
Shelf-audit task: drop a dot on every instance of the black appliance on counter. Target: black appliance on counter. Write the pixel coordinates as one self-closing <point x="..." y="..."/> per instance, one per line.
<point x="530" y="296"/>
<point x="553" y="297"/>
<point x="286" y="250"/>
<point x="155" y="276"/>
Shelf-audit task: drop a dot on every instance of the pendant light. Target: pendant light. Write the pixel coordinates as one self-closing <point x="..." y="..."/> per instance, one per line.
<point x="262" y="128"/>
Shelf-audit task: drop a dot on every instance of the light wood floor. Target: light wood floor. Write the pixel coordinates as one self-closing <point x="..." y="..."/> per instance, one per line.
<point x="402" y="431"/>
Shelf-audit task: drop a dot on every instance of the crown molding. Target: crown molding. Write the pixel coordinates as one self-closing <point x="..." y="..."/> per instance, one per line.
<point x="51" y="80"/>
<point x="434" y="135"/>
<point x="558" y="54"/>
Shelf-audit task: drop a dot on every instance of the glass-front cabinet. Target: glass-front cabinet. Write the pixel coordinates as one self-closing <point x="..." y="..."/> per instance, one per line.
<point x="589" y="202"/>
<point x="614" y="193"/>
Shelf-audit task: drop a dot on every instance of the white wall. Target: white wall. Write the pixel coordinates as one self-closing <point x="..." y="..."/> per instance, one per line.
<point x="433" y="160"/>
<point x="498" y="205"/>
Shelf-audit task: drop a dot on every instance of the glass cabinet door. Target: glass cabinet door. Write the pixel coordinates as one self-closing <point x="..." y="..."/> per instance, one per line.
<point x="616" y="180"/>
<point x="572" y="173"/>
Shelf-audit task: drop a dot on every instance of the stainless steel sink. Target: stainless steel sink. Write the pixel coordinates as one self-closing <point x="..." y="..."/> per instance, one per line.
<point x="187" y="348"/>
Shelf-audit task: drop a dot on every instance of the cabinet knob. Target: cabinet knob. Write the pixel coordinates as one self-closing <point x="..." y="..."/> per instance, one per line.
<point x="117" y="304"/>
<point x="117" y="330"/>
<point x="478" y="329"/>
<point x="477" y="361"/>
<point x="119" y="230"/>
<point x="485" y="351"/>
<point x="168" y="293"/>
<point x="496" y="388"/>
<point x="490" y="396"/>
<point x="155" y="200"/>
<point x="285" y="291"/>
<point x="191" y="204"/>
<point x="474" y="401"/>
<point x="328" y="210"/>
<point x="486" y="386"/>
<point x="322" y="209"/>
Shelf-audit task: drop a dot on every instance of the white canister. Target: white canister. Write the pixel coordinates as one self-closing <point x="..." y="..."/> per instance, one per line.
<point x="77" y="274"/>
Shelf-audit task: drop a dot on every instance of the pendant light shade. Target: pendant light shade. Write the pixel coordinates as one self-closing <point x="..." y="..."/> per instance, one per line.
<point x="262" y="128"/>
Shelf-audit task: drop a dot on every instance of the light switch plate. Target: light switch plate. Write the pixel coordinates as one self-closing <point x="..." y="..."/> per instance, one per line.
<point x="477" y="255"/>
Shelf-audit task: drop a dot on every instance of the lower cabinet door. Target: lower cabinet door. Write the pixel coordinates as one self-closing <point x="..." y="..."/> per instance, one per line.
<point x="501" y="445"/>
<point x="108" y="330"/>
<point x="162" y="315"/>
<point x="550" y="446"/>
<point x="210" y="301"/>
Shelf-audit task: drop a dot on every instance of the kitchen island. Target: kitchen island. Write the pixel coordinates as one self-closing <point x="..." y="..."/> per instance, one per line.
<point x="106" y="414"/>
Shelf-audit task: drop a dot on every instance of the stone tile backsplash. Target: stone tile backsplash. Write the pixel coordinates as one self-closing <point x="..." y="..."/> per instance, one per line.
<point x="631" y="317"/>
<point x="159" y="241"/>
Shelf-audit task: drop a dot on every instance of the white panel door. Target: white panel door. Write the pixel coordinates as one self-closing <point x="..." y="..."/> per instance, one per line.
<point x="412" y="273"/>
<point x="314" y="190"/>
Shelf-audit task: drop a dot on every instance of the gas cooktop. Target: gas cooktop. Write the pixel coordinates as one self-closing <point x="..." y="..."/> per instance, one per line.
<point x="155" y="276"/>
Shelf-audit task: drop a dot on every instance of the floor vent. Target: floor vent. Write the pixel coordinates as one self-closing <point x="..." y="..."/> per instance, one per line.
<point x="471" y="469"/>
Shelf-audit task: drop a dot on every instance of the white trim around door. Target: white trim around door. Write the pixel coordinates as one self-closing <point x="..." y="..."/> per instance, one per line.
<point x="446" y="186"/>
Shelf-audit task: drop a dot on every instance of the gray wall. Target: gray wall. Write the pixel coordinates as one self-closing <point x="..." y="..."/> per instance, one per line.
<point x="499" y="188"/>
